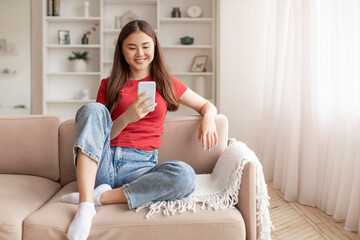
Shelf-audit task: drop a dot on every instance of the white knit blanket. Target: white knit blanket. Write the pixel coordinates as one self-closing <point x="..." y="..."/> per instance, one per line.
<point x="219" y="190"/>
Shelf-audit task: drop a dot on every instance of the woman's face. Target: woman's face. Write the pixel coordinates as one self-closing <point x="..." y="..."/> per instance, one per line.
<point x="138" y="50"/>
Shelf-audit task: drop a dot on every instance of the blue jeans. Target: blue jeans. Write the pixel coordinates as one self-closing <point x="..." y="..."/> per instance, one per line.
<point x="136" y="171"/>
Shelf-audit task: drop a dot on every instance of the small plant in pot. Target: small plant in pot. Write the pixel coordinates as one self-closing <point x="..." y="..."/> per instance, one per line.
<point x="79" y="60"/>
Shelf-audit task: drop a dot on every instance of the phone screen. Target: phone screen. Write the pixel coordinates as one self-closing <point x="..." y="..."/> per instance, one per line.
<point x="149" y="88"/>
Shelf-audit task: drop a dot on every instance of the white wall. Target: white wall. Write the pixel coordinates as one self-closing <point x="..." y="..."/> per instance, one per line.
<point x="15" y="28"/>
<point x="241" y="62"/>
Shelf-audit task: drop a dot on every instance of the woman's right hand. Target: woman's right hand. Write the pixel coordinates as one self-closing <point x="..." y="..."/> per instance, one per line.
<point x="136" y="110"/>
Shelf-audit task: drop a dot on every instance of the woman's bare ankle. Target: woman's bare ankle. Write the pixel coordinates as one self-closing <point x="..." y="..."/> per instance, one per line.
<point x="115" y="196"/>
<point x="103" y="198"/>
<point x="89" y="198"/>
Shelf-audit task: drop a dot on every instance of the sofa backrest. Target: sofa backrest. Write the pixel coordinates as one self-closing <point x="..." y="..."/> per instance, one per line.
<point x="30" y="145"/>
<point x="66" y="143"/>
<point x="179" y="142"/>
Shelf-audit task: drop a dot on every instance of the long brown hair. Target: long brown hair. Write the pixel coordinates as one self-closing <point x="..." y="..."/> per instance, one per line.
<point x="121" y="71"/>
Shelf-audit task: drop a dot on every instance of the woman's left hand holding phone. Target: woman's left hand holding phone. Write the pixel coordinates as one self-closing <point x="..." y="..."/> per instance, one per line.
<point x="135" y="112"/>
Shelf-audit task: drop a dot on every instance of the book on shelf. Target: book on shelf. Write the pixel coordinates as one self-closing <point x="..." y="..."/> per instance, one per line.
<point x="53" y="7"/>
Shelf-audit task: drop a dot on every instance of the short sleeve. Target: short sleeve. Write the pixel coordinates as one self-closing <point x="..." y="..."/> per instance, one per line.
<point x="101" y="96"/>
<point x="179" y="87"/>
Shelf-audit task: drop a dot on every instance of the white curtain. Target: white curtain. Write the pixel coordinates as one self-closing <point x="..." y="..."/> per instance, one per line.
<point x="310" y="141"/>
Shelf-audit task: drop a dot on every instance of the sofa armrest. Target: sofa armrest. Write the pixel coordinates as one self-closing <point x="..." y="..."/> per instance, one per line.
<point x="247" y="199"/>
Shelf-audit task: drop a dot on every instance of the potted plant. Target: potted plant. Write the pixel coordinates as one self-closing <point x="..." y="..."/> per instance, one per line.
<point x="79" y="60"/>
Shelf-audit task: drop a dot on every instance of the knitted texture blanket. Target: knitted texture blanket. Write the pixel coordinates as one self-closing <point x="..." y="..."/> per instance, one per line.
<point x="219" y="190"/>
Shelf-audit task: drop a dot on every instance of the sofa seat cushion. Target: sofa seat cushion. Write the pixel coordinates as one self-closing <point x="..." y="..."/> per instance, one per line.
<point x="118" y="222"/>
<point x="20" y="196"/>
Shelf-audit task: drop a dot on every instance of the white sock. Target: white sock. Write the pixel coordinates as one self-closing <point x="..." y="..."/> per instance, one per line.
<point x="74" y="197"/>
<point x="80" y="226"/>
<point x="71" y="198"/>
<point x="98" y="191"/>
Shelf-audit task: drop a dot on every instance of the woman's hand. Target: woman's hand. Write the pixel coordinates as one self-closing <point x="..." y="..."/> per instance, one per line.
<point x="133" y="113"/>
<point x="208" y="133"/>
<point x="136" y="110"/>
<point x="207" y="130"/>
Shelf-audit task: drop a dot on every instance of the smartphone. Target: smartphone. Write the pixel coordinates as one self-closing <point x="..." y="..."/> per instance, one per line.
<point x="149" y="88"/>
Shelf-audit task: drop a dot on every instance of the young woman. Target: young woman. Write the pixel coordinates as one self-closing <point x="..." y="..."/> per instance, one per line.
<point x="117" y="138"/>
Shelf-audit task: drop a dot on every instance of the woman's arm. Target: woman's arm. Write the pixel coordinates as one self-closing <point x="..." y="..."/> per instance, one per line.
<point x="118" y="125"/>
<point x="207" y="131"/>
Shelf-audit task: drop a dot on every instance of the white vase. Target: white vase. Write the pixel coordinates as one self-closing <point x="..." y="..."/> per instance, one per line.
<point x="84" y="94"/>
<point x="78" y="65"/>
<point x="86" y="8"/>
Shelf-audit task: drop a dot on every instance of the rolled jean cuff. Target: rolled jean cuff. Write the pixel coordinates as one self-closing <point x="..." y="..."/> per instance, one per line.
<point x="86" y="152"/>
<point x="127" y="195"/>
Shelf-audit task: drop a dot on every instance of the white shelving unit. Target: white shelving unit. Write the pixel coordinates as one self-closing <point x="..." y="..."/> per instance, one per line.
<point x="61" y="86"/>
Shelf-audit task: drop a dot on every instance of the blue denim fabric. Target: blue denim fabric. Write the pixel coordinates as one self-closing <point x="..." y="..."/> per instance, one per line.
<point x="136" y="171"/>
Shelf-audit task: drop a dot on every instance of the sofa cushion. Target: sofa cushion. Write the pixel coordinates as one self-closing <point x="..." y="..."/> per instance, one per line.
<point x="118" y="222"/>
<point x="179" y="133"/>
<point x="30" y="145"/>
<point x="20" y="196"/>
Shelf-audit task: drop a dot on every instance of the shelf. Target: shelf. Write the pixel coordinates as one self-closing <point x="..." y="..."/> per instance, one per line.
<point x="189" y="46"/>
<point x="74" y="74"/>
<point x="193" y="73"/>
<point x="9" y="75"/>
<point x="13" y="111"/>
<point x="115" y="31"/>
<point x="70" y="101"/>
<point x="131" y="2"/>
<point x="14" y="53"/>
<point x="72" y="46"/>
<point x="72" y="19"/>
<point x="186" y="20"/>
<point x="111" y="31"/>
<point x="179" y="73"/>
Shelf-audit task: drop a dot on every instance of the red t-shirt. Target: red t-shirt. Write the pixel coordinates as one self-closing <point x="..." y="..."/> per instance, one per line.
<point x="145" y="133"/>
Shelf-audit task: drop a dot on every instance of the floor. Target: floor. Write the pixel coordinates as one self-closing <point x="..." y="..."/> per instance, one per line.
<point x="294" y="221"/>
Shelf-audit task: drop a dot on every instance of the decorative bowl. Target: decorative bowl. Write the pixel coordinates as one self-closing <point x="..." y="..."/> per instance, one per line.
<point x="187" y="40"/>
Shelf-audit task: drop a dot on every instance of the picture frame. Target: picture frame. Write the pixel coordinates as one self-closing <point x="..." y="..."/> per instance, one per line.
<point x="64" y="37"/>
<point x="199" y="64"/>
<point x="3" y="47"/>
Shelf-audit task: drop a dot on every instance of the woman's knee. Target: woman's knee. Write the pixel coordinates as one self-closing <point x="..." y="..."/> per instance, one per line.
<point x="91" y="108"/>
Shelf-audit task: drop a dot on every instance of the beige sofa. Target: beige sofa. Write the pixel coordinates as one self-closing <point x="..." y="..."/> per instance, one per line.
<point x="36" y="169"/>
